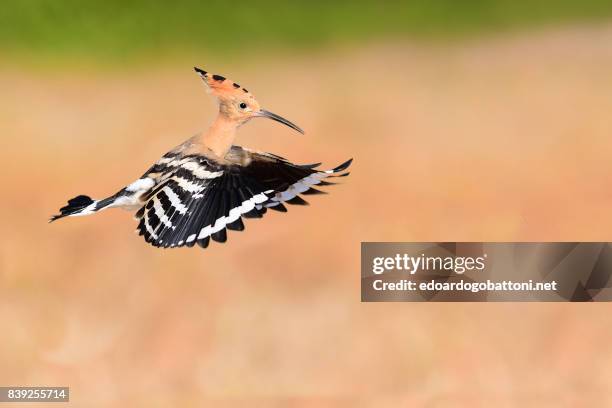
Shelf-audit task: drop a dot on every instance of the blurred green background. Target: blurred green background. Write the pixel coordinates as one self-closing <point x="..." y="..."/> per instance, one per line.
<point x="112" y="31"/>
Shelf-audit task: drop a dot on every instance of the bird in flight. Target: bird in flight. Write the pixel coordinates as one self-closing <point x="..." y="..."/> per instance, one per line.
<point x="206" y="185"/>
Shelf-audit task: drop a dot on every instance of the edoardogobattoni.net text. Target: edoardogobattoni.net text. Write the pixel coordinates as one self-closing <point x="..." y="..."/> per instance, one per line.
<point x="411" y="264"/>
<point x="466" y="286"/>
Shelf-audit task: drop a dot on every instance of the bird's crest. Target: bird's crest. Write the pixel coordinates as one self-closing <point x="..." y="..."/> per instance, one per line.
<point x="220" y="85"/>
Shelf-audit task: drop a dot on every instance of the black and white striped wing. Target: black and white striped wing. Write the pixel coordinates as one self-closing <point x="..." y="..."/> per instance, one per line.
<point x="201" y="200"/>
<point x="288" y="181"/>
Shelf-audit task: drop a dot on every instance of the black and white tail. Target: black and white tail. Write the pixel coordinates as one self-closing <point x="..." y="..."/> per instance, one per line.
<point x="128" y="198"/>
<point x="79" y="205"/>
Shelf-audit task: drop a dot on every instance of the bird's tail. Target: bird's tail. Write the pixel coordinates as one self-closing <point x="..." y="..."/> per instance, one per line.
<point x="79" y="205"/>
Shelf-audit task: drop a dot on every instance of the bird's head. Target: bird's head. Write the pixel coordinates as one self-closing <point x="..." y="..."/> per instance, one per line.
<point x="235" y="102"/>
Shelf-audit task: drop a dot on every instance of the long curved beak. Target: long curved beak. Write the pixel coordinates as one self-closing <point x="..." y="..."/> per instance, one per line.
<point x="267" y="114"/>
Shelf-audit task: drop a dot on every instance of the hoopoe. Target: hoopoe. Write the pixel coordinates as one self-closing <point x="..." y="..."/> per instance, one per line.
<point x="206" y="185"/>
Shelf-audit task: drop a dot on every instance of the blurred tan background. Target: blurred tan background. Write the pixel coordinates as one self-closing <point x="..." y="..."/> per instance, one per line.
<point x="501" y="137"/>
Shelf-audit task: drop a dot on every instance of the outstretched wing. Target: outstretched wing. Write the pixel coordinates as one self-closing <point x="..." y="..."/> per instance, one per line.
<point x="288" y="180"/>
<point x="200" y="200"/>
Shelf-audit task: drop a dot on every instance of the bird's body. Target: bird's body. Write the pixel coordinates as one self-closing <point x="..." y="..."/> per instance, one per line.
<point x="206" y="185"/>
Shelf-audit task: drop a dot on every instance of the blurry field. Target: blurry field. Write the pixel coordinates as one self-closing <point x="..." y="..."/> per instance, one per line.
<point x="501" y="139"/>
<point x="115" y="32"/>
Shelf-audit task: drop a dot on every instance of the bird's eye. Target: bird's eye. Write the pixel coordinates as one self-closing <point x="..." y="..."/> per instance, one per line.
<point x="243" y="105"/>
